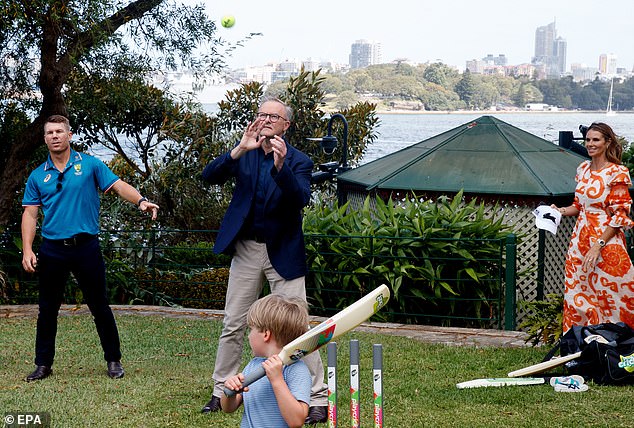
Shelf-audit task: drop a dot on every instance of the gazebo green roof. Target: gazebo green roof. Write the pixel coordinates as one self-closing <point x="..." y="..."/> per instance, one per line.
<point x="485" y="156"/>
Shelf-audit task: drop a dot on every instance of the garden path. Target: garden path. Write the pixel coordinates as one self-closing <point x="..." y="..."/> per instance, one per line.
<point x="454" y="336"/>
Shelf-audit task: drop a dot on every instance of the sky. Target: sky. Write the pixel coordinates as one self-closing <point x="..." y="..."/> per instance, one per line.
<point x="452" y="31"/>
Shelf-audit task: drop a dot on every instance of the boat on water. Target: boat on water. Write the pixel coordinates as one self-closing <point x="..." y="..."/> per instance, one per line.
<point x="609" y="111"/>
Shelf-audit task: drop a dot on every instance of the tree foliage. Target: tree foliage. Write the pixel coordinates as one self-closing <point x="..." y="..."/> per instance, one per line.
<point x="466" y="90"/>
<point x="197" y="138"/>
<point x="437" y="86"/>
<point x="305" y="94"/>
<point x="44" y="42"/>
<point x="436" y="256"/>
<point x="123" y="115"/>
<point x="440" y="74"/>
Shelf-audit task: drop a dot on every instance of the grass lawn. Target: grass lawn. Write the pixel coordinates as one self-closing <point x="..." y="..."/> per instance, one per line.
<point x="169" y="362"/>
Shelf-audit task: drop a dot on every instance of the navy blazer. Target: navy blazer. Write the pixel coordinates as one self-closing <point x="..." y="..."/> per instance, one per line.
<point x="286" y="197"/>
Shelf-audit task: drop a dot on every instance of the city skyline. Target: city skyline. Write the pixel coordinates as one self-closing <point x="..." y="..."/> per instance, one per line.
<point x="423" y="31"/>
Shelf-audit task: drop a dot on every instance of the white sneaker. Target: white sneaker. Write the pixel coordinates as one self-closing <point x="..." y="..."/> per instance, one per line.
<point x="566" y="380"/>
<point x="571" y="388"/>
<point x="574" y="383"/>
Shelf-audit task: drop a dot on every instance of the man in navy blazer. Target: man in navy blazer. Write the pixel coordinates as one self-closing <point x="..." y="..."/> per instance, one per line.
<point x="262" y="229"/>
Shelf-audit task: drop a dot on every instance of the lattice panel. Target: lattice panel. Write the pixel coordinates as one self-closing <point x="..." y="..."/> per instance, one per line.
<point x="357" y="199"/>
<point x="522" y="222"/>
<point x="555" y="256"/>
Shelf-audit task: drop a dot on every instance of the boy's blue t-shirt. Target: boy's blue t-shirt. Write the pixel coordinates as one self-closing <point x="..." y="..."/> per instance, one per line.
<point x="69" y="200"/>
<point x="260" y="405"/>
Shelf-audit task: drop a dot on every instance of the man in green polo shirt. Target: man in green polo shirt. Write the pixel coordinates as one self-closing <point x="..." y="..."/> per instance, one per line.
<point x="66" y="187"/>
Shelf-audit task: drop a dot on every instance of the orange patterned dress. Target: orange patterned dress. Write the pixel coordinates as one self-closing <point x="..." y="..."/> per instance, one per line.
<point x="605" y="294"/>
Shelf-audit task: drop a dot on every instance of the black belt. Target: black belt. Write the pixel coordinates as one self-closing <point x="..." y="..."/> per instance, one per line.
<point x="253" y="237"/>
<point x="74" y="241"/>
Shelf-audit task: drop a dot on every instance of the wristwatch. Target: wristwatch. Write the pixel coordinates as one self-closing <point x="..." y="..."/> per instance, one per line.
<point x="601" y="242"/>
<point x="138" y="204"/>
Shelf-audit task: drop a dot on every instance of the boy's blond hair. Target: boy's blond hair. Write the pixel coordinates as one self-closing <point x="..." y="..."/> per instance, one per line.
<point x="285" y="317"/>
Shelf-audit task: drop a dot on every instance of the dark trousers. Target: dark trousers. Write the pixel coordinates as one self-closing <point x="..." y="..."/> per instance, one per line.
<point x="55" y="263"/>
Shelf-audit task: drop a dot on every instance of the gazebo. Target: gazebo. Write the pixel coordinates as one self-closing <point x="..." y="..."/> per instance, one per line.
<point x="492" y="161"/>
<point x="485" y="157"/>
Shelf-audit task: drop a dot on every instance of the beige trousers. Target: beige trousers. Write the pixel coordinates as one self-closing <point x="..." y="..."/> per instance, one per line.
<point x="250" y="266"/>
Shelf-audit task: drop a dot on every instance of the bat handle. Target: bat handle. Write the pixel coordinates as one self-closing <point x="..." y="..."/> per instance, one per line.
<point x="256" y="374"/>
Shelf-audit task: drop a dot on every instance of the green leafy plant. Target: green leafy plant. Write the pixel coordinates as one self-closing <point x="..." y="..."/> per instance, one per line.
<point x="439" y="257"/>
<point x="544" y="319"/>
<point x="200" y="288"/>
<point x="176" y="268"/>
<point x="4" y="281"/>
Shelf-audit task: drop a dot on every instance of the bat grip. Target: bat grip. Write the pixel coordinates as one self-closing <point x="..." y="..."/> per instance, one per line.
<point x="256" y="374"/>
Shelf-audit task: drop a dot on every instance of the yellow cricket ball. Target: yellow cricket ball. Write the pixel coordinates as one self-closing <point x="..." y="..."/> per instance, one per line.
<point x="227" y="21"/>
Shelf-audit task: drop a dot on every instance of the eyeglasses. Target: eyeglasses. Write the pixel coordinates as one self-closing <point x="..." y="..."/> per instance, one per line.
<point x="60" y="178"/>
<point x="272" y="117"/>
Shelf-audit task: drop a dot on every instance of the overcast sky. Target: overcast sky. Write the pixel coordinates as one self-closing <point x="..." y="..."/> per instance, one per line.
<point x="452" y="31"/>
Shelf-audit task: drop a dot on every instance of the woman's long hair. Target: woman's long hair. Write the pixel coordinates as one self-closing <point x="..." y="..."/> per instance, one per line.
<point x="614" y="151"/>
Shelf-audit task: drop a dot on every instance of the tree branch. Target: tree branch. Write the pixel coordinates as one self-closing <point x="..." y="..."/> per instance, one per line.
<point x="84" y="41"/>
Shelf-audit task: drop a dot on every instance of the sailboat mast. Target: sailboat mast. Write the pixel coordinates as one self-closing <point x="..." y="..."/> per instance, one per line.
<point x="608" y="110"/>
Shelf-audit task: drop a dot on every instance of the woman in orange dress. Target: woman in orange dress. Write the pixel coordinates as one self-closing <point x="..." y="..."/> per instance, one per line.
<point x="599" y="283"/>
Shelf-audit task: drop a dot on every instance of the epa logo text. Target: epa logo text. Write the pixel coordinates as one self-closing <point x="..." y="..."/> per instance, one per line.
<point x="27" y="420"/>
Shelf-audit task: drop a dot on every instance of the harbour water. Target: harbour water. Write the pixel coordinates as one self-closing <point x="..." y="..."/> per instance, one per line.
<point x="399" y="130"/>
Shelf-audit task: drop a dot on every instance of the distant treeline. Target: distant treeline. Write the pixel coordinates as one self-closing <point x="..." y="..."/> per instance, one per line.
<point x="438" y="87"/>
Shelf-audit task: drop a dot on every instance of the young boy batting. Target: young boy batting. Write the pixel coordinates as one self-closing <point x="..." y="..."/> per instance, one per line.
<point x="281" y="398"/>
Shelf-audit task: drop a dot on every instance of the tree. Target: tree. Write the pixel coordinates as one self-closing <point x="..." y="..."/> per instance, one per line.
<point x="175" y="182"/>
<point x="435" y="97"/>
<point x="306" y="96"/>
<point x="520" y="97"/>
<point x="486" y="93"/>
<point x="346" y="99"/>
<point x="466" y="89"/>
<point x="123" y="115"/>
<point x="624" y="94"/>
<point x="557" y="91"/>
<point x="334" y="84"/>
<point x="44" y="41"/>
<point x="527" y="93"/>
<point x="439" y="74"/>
<point x="588" y="99"/>
<point x="362" y="81"/>
<point x="404" y="87"/>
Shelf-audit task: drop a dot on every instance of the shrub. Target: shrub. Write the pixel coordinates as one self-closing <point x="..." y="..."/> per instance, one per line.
<point x="544" y="319"/>
<point x="205" y="288"/>
<point x="187" y="273"/>
<point x="440" y="258"/>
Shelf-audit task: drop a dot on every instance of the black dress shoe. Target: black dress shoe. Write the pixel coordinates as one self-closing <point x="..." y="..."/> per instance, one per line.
<point x="212" y="406"/>
<point x="115" y="369"/>
<point x="40" y="372"/>
<point x="317" y="415"/>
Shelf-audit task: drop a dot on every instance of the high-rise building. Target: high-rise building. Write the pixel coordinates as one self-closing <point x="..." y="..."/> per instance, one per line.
<point x="495" y="60"/>
<point x="550" y="50"/>
<point x="544" y="39"/>
<point x="475" y="66"/>
<point x="559" y="55"/>
<point x="583" y="73"/>
<point x="607" y="64"/>
<point x="364" y="53"/>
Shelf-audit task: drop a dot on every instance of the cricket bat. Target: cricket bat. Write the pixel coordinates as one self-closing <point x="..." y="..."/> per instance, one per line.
<point x="333" y="327"/>
<point x="542" y="367"/>
<point x="555" y="362"/>
<point x="501" y="381"/>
